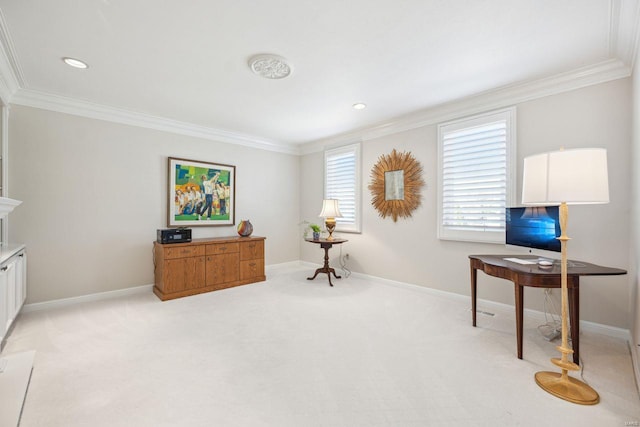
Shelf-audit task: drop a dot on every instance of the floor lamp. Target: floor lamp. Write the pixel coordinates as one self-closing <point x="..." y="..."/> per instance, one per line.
<point x="564" y="178"/>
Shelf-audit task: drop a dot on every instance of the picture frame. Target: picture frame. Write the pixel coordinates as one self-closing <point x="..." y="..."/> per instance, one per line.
<point x="396" y="185"/>
<point x="200" y="193"/>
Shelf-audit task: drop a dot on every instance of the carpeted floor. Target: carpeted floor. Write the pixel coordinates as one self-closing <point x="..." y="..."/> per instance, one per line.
<point x="290" y="352"/>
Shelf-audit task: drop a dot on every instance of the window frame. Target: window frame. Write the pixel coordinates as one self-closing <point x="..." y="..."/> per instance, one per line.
<point x="355" y="148"/>
<point x="507" y="114"/>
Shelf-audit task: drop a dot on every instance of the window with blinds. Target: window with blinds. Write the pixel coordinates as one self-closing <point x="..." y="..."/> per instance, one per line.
<point x="476" y="163"/>
<point x="342" y="182"/>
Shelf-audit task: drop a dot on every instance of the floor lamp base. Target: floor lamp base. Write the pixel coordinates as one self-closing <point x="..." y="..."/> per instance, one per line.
<point x="567" y="388"/>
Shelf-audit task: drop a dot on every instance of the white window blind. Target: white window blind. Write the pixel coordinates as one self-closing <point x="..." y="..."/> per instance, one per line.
<point x="342" y="182"/>
<point x="476" y="179"/>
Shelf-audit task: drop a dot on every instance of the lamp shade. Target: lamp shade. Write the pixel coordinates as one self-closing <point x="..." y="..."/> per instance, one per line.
<point x="330" y="209"/>
<point x="572" y="176"/>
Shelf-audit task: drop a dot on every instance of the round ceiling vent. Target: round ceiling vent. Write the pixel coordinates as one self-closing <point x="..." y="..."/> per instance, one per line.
<point x="270" y="66"/>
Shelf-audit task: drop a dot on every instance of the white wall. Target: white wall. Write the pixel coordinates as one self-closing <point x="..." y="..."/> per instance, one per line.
<point x="409" y="251"/>
<point x="95" y="192"/>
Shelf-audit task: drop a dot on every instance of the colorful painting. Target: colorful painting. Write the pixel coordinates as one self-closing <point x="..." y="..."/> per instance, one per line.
<point x="200" y="193"/>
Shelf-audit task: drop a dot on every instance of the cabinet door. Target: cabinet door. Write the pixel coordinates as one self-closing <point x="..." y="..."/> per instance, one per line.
<point x="222" y="269"/>
<point x="12" y="309"/>
<point x="4" y="313"/>
<point x="194" y="272"/>
<point x="214" y="270"/>
<point x="231" y="266"/>
<point x="174" y="275"/>
<point x="183" y="273"/>
<point x="21" y="277"/>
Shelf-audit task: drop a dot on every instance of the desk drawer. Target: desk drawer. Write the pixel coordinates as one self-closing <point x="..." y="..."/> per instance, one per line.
<point x="500" y="272"/>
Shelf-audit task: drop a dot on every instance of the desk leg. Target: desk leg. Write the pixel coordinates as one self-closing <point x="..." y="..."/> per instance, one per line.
<point x="574" y="321"/>
<point x="474" y="287"/>
<point x="519" y="290"/>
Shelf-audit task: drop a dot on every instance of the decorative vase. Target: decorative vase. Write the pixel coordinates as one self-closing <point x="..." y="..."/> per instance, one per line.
<point x="245" y="228"/>
<point x="316" y="235"/>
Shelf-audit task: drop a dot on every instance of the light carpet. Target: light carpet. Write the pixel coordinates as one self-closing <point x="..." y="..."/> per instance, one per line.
<point x="293" y="352"/>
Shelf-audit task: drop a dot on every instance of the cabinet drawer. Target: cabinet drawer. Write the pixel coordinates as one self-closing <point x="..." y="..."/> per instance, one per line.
<point x="183" y="251"/>
<point x="252" y="250"/>
<point x="222" y="248"/>
<point x="251" y="268"/>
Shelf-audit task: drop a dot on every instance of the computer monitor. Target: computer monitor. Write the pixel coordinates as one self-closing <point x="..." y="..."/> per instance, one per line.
<point x="533" y="227"/>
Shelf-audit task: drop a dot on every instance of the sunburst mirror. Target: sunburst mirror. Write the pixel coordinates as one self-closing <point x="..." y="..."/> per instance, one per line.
<point x="396" y="181"/>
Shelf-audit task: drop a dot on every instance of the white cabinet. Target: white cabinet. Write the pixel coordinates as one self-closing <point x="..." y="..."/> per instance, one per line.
<point x="4" y="308"/>
<point x="21" y="280"/>
<point x="9" y="270"/>
<point x="13" y="288"/>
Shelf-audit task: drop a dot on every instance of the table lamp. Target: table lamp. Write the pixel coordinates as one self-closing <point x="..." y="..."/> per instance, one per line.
<point x="330" y="212"/>
<point x="566" y="177"/>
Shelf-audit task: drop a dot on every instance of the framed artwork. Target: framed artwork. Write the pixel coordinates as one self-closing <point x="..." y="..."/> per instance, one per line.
<point x="201" y="193"/>
<point x="396" y="183"/>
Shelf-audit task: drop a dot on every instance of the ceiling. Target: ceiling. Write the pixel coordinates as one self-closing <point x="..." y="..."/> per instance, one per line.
<point x="186" y="62"/>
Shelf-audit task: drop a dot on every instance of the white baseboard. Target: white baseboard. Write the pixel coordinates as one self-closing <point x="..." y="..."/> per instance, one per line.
<point x="64" y="302"/>
<point x="635" y="359"/>
<point x="539" y="316"/>
<point x="287" y="264"/>
<point x="536" y="315"/>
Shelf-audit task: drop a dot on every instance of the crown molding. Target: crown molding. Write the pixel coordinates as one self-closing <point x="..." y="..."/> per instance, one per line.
<point x="624" y="35"/>
<point x="505" y="96"/>
<point x="11" y="77"/>
<point x="624" y="40"/>
<point x="5" y="89"/>
<point x="62" y="104"/>
<point x="13" y="90"/>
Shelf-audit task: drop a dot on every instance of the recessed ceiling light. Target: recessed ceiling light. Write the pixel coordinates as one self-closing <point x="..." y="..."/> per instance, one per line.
<point x="76" y="63"/>
<point x="270" y="66"/>
<point x="359" y="106"/>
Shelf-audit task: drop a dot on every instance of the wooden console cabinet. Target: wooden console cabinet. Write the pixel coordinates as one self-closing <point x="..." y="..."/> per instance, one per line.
<point x="205" y="265"/>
